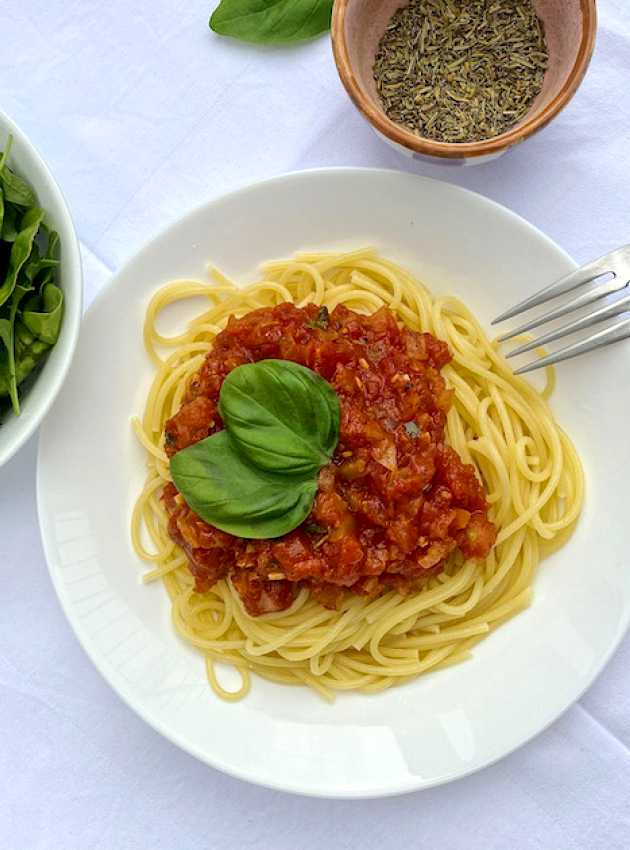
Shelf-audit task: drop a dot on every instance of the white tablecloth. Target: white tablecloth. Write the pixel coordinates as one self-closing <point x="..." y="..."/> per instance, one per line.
<point x="142" y="113"/>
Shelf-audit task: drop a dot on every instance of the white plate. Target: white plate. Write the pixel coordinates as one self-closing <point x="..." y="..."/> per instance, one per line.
<point x="444" y="725"/>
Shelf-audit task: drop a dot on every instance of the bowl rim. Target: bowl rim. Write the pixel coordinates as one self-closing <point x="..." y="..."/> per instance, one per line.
<point x="458" y="150"/>
<point x="74" y="278"/>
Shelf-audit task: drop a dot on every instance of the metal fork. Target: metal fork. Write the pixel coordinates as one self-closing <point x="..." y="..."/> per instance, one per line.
<point x="604" y="277"/>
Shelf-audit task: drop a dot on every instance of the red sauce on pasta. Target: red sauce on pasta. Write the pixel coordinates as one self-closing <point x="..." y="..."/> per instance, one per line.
<point x="394" y="503"/>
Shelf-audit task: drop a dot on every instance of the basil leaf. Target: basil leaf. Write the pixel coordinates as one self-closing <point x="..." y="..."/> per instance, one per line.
<point x="21" y="250"/>
<point x="281" y="416"/>
<point x="42" y="315"/>
<point x="228" y="493"/>
<point x="271" y="21"/>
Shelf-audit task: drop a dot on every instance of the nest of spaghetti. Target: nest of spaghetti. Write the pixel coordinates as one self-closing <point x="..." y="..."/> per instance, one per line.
<point x="450" y="480"/>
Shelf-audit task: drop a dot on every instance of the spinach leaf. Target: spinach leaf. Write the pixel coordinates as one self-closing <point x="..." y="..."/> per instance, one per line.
<point x="7" y="334"/>
<point x="9" y="223"/>
<point x="21" y="250"/>
<point x="8" y="381"/>
<point x="53" y="243"/>
<point x="30" y="267"/>
<point x="16" y="190"/>
<point x="226" y="491"/>
<point x="28" y="350"/>
<point x="47" y="264"/>
<point x="37" y="264"/>
<point x="42" y="314"/>
<point x="281" y="416"/>
<point x="24" y="339"/>
<point x="5" y="153"/>
<point x="28" y="353"/>
<point x="272" y="21"/>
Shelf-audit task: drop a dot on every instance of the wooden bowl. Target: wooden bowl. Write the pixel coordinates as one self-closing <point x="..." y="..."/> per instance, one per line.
<point x="357" y="28"/>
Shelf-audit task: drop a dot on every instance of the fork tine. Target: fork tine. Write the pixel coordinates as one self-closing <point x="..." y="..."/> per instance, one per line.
<point x="583" y="300"/>
<point x="615" y="333"/>
<point x="606" y="312"/>
<point x="571" y="281"/>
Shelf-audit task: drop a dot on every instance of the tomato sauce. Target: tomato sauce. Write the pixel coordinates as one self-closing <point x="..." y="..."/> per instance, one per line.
<point x="395" y="501"/>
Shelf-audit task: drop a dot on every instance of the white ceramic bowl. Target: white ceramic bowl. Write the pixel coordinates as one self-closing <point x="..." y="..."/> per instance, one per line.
<point x="36" y="401"/>
<point x="91" y="469"/>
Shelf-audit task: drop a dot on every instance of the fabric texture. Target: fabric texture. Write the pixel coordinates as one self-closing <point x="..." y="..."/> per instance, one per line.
<point x="143" y="113"/>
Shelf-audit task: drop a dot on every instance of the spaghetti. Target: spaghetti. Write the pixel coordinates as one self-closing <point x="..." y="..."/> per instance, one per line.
<point x="498" y="422"/>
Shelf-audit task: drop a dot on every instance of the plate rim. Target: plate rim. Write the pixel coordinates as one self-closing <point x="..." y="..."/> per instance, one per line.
<point x="118" y="686"/>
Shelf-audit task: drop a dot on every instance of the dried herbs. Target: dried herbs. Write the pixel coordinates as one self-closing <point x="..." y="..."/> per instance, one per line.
<point x="461" y="70"/>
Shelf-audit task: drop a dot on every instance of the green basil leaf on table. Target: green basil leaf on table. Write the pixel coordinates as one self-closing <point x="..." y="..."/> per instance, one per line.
<point x="227" y="492"/>
<point x="282" y="416"/>
<point x="21" y="250"/>
<point x="272" y="21"/>
<point x="42" y="314"/>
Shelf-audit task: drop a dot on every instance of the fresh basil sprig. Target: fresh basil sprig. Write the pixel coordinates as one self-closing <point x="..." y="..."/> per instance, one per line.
<point x="272" y="21"/>
<point x="258" y="477"/>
